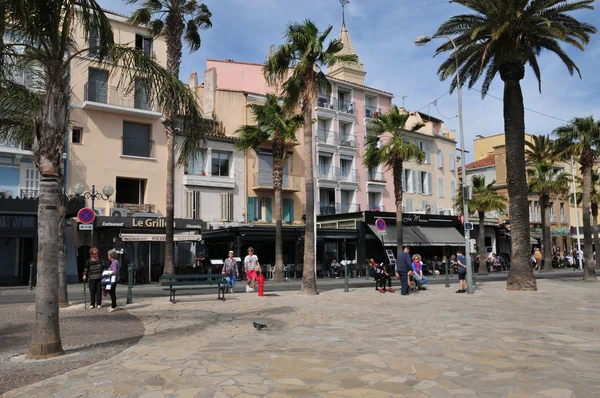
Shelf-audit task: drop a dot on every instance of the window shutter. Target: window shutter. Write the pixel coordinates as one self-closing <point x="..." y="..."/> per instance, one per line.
<point x="420" y="182"/>
<point x="404" y="182"/>
<point x="192" y="204"/>
<point x="268" y="215"/>
<point x="288" y="210"/>
<point x="453" y="189"/>
<point x="427" y="152"/>
<point x="452" y="162"/>
<point x="441" y="187"/>
<point x="226" y="207"/>
<point x="230" y="200"/>
<point x="413" y="176"/>
<point x="251" y="209"/>
<point x="429" y="183"/>
<point x="440" y="159"/>
<point x="409" y="208"/>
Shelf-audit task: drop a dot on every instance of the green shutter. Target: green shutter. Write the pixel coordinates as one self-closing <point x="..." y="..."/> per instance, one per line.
<point x="250" y="209"/>
<point x="288" y="215"/>
<point x="269" y="216"/>
<point x="291" y="209"/>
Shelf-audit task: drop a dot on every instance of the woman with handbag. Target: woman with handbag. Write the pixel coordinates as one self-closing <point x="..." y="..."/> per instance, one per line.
<point x="251" y="266"/>
<point x="230" y="271"/>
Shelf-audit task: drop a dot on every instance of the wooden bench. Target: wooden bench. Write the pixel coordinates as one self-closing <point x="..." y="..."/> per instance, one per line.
<point x="194" y="282"/>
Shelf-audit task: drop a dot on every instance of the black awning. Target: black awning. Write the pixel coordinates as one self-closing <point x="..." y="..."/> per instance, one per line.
<point x="409" y="236"/>
<point x="440" y="236"/>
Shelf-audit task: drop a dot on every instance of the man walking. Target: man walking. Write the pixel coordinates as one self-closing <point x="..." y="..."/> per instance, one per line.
<point x="403" y="265"/>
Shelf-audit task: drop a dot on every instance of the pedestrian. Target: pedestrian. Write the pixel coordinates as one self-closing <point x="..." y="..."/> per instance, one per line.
<point x="403" y="265"/>
<point x="251" y="265"/>
<point x="230" y="271"/>
<point x="381" y="276"/>
<point x="114" y="268"/>
<point x="537" y="254"/>
<point x="579" y="263"/>
<point x="92" y="273"/>
<point x="462" y="272"/>
<point x="417" y="268"/>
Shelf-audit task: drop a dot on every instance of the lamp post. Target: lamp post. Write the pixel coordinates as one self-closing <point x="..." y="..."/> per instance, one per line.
<point x="576" y="259"/>
<point x="421" y="41"/>
<point x="106" y="193"/>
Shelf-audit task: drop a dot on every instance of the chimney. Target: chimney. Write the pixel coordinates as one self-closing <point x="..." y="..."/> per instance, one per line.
<point x="478" y="137"/>
<point x="193" y="81"/>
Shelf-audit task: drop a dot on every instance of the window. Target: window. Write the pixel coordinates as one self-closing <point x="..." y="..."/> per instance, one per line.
<point x="93" y="41"/>
<point x="97" y="86"/>
<point x="220" y="164"/>
<point x="196" y="163"/>
<point x="488" y="241"/>
<point x="551" y="208"/>
<point x="562" y="209"/>
<point x="141" y="99"/>
<point x="409" y="206"/>
<point x="145" y="44"/>
<point x="452" y="161"/>
<point x="192" y="205"/>
<point x="226" y="206"/>
<point x="441" y="187"/>
<point x="440" y="159"/>
<point x="427" y="152"/>
<point x="407" y="181"/>
<point x="424" y="183"/>
<point x="76" y="135"/>
<point x="255" y="208"/>
<point x="130" y="190"/>
<point x="288" y="210"/>
<point x="452" y="189"/>
<point x="136" y="140"/>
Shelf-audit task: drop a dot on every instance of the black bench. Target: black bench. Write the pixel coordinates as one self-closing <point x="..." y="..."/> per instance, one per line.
<point x="193" y="282"/>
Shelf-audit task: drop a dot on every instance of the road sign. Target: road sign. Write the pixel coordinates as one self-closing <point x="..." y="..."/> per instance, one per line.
<point x="468" y="226"/>
<point x="86" y="227"/>
<point x="380" y="224"/>
<point x="86" y="215"/>
<point x="381" y="233"/>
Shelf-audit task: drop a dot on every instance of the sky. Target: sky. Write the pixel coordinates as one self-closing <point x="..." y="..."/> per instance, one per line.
<point x="383" y="32"/>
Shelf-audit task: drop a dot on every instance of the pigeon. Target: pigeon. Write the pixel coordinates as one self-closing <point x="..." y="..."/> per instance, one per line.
<point x="259" y="326"/>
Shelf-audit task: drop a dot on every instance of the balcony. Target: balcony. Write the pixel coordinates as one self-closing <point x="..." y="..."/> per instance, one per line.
<point x="8" y="146"/>
<point x="350" y="208"/>
<point x="29" y="193"/>
<point x="264" y="181"/>
<point x="327" y="137"/>
<point x="101" y="97"/>
<point x="535" y="217"/>
<point x="348" y="141"/>
<point x="133" y="208"/>
<point x="328" y="172"/>
<point x="348" y="175"/>
<point x="329" y="208"/>
<point x="372" y="112"/>
<point x="376" y="208"/>
<point x="553" y="218"/>
<point x="204" y="179"/>
<point x="373" y="176"/>
<point x="563" y="219"/>
<point x="346" y="107"/>
<point x="327" y="102"/>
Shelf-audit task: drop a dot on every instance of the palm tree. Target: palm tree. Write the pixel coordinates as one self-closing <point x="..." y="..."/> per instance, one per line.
<point x="580" y="139"/>
<point x="503" y="37"/>
<point x="546" y="180"/>
<point x="540" y="150"/>
<point x="178" y="20"/>
<point x="273" y="124"/>
<point x="46" y="32"/>
<point x="594" y="202"/>
<point x="297" y="67"/>
<point x="485" y="199"/>
<point x="393" y="153"/>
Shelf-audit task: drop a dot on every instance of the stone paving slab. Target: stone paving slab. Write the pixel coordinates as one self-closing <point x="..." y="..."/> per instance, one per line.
<point x="494" y="343"/>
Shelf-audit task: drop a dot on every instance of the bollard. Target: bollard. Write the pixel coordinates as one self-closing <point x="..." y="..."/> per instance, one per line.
<point x="129" y="283"/>
<point x="261" y="285"/>
<point x="31" y="276"/>
<point x="447" y="276"/>
<point x="346" y="277"/>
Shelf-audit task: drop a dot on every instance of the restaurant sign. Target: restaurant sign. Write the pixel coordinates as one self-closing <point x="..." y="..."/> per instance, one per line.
<point x="146" y="223"/>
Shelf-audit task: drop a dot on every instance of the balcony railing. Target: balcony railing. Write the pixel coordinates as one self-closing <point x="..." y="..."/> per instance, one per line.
<point x="139" y="147"/>
<point x="11" y="144"/>
<point x="264" y="180"/>
<point x="348" y="140"/>
<point x="535" y="217"/>
<point x="348" y="175"/>
<point x="376" y="208"/>
<point x="133" y="208"/>
<point x="350" y="207"/>
<point x="327" y="102"/>
<point x="329" y="208"/>
<point x="375" y="177"/>
<point x="372" y="112"/>
<point x="30" y="193"/>
<point x="118" y="96"/>
<point x="563" y="218"/>
<point x="346" y="106"/>
<point x="328" y="172"/>
<point x="327" y="137"/>
<point x="553" y="218"/>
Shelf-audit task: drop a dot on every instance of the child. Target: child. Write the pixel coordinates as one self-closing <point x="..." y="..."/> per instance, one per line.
<point x="380" y="275"/>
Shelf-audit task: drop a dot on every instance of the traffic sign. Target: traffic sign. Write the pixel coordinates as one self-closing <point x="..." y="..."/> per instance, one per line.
<point x="468" y="226"/>
<point x="86" y="215"/>
<point x="86" y="227"/>
<point x="380" y="224"/>
<point x="382" y="232"/>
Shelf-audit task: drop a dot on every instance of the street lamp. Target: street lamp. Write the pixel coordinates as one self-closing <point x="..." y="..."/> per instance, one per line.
<point x="107" y="191"/>
<point x="421" y="41"/>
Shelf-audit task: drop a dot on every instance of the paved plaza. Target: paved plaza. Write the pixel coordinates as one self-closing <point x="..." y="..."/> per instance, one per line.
<point x="436" y="343"/>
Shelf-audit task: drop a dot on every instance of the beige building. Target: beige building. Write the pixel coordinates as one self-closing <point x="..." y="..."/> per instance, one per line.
<point x="117" y="137"/>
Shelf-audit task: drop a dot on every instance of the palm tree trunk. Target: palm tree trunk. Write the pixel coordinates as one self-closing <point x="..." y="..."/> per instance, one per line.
<point x="398" y="195"/>
<point x="483" y="270"/>
<point x="546" y="239"/>
<point x="49" y="142"/>
<point x="309" y="283"/>
<point x="595" y="231"/>
<point x="589" y="268"/>
<point x="521" y="275"/>
<point x="278" y="277"/>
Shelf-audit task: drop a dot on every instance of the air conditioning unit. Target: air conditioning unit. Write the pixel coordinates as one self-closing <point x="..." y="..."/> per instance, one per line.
<point x="445" y="212"/>
<point x="100" y="212"/>
<point x="119" y="212"/>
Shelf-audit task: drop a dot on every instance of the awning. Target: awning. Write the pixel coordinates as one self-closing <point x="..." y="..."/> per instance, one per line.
<point x="159" y="238"/>
<point x="440" y="236"/>
<point x="409" y="236"/>
<point x="532" y="241"/>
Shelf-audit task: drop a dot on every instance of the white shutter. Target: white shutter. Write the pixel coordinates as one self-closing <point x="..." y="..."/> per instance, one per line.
<point x="420" y="182"/>
<point x="427" y="152"/>
<point x="192" y="205"/>
<point x="429" y="184"/>
<point x="413" y="175"/>
<point x="441" y="187"/>
<point x="226" y="207"/>
<point x="409" y="207"/>
<point x="440" y="159"/>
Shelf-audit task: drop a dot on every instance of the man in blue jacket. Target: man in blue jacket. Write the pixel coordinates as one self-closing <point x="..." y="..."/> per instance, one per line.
<point x="403" y="265"/>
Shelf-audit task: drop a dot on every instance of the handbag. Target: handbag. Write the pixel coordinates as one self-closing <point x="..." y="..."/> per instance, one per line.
<point x="228" y="272"/>
<point x="257" y="267"/>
